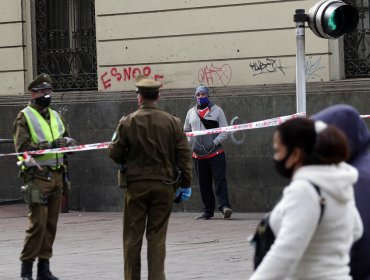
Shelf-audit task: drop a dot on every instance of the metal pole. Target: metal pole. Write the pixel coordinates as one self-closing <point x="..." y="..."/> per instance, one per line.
<point x="300" y="18"/>
<point x="9" y="141"/>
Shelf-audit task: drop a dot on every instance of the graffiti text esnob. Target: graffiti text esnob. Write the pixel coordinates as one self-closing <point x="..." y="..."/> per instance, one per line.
<point x="126" y="74"/>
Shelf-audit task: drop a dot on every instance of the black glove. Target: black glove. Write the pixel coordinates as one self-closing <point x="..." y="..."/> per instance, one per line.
<point x="59" y="143"/>
<point x="45" y="145"/>
<point x="70" y="142"/>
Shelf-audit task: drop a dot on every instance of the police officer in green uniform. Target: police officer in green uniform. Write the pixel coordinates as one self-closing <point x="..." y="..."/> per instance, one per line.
<point x="38" y="127"/>
<point x="153" y="148"/>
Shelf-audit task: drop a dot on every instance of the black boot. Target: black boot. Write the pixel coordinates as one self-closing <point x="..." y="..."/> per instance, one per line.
<point x="26" y="271"/>
<point x="43" y="271"/>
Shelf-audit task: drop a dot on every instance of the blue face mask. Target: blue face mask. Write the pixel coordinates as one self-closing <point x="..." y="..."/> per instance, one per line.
<point x="202" y="101"/>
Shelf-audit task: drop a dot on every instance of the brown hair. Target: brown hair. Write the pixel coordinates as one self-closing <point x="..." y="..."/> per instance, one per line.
<point x="330" y="146"/>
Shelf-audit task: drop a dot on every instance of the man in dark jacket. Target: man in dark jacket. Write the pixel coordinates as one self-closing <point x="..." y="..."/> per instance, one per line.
<point x="348" y="120"/>
<point x="153" y="146"/>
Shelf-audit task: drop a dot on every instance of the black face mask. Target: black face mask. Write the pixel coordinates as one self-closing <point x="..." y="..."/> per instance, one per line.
<point x="43" y="101"/>
<point x="281" y="169"/>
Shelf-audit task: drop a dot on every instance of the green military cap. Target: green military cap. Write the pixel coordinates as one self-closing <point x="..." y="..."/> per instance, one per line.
<point x="42" y="81"/>
<point x="144" y="84"/>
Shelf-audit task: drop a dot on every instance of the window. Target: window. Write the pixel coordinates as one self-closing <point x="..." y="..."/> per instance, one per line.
<point x="357" y="44"/>
<point x="66" y="43"/>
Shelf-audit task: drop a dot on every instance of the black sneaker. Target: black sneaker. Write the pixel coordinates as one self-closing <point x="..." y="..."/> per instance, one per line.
<point x="226" y="211"/>
<point x="204" y="216"/>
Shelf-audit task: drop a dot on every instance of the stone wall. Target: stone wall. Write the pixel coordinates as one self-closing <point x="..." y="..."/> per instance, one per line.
<point x="253" y="183"/>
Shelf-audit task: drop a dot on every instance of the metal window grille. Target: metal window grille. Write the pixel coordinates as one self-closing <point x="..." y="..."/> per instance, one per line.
<point x="357" y="44"/>
<point x="66" y="43"/>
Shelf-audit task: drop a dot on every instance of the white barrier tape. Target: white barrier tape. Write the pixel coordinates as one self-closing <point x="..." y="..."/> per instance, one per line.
<point x="104" y="145"/>
<point x="245" y="126"/>
<point x="232" y="128"/>
<point x="79" y="148"/>
<point x="365" y="116"/>
<point x="27" y="158"/>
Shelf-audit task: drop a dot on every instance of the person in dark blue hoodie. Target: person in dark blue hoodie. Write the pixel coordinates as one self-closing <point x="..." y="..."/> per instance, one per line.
<point x="348" y="120"/>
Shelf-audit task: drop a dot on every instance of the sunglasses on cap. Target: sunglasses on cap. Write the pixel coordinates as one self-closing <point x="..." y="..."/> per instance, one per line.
<point x="43" y="90"/>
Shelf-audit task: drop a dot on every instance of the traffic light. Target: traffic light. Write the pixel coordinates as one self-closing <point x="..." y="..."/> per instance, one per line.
<point x="331" y="19"/>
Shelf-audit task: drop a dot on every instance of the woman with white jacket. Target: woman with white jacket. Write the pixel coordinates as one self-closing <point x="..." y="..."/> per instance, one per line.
<point x="305" y="246"/>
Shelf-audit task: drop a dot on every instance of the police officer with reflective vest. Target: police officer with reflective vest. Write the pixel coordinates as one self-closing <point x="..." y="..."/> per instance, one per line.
<point x="153" y="147"/>
<point x="38" y="127"/>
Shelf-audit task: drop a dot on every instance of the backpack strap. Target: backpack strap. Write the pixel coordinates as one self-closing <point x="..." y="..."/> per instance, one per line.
<point x="322" y="201"/>
<point x="208" y="124"/>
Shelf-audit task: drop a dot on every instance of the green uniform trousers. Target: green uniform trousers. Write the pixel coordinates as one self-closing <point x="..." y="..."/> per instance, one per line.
<point x="43" y="218"/>
<point x="147" y="206"/>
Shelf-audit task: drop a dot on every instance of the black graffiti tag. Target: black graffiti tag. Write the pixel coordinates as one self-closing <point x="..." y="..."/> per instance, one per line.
<point x="311" y="67"/>
<point x="269" y="65"/>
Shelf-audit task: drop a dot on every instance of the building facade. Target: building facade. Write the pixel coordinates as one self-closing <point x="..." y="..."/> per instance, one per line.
<point x="243" y="50"/>
<point x="96" y="45"/>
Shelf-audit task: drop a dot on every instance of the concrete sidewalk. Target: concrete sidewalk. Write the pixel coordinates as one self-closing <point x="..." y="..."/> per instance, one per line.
<point x="89" y="246"/>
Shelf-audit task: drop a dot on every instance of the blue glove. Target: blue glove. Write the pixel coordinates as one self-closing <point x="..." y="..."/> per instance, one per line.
<point x="182" y="194"/>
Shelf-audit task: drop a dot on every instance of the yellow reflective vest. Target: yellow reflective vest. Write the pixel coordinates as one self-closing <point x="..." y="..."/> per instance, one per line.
<point x="42" y="131"/>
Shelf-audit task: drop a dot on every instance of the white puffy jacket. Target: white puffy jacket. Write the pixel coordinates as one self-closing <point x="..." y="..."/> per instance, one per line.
<point x="302" y="248"/>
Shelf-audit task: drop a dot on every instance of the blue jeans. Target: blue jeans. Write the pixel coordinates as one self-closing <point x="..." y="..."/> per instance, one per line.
<point x="208" y="170"/>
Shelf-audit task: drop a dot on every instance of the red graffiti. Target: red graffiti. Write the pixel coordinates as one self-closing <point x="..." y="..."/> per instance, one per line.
<point x="211" y="74"/>
<point x="126" y="74"/>
<point x="115" y="73"/>
<point x="136" y="72"/>
<point x="146" y="71"/>
<point x="159" y="77"/>
<point x="106" y="82"/>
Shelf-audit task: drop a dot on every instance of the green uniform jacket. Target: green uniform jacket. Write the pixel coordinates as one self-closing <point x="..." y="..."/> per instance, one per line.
<point x="152" y="144"/>
<point x="22" y="134"/>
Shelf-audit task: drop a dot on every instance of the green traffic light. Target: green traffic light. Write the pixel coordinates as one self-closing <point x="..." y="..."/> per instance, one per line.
<point x="332" y="23"/>
<point x="331" y="19"/>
